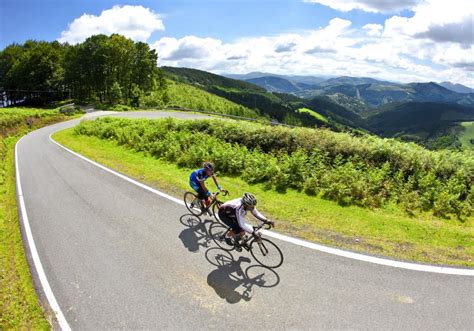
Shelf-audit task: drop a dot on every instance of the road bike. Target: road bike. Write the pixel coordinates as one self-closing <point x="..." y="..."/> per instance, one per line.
<point x="263" y="250"/>
<point x="197" y="208"/>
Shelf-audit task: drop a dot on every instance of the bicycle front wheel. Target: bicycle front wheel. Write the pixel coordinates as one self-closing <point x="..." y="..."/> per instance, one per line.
<point x="193" y="204"/>
<point x="217" y="231"/>
<point x="266" y="253"/>
<point x="215" y="209"/>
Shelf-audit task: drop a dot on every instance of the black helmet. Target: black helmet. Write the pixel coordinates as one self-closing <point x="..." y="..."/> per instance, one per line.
<point x="248" y="199"/>
<point x="208" y="166"/>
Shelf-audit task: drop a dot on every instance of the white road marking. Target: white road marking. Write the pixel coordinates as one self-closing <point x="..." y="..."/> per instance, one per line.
<point x="34" y="253"/>
<point x="321" y="248"/>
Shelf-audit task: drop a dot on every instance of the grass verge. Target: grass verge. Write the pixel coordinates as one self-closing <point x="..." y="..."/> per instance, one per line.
<point x="19" y="304"/>
<point x="385" y="232"/>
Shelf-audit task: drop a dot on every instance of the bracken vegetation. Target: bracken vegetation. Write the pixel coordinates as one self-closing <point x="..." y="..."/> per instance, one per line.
<point x="365" y="171"/>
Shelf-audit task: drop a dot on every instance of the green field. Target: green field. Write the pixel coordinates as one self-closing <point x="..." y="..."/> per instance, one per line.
<point x="187" y="96"/>
<point x="313" y="113"/>
<point x="467" y="134"/>
<point x="386" y="231"/>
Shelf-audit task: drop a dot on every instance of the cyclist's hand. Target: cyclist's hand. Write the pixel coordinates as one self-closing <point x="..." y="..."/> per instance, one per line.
<point x="270" y="223"/>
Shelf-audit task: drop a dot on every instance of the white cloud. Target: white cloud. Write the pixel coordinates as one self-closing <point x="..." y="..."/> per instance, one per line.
<point x="336" y="49"/>
<point x="435" y="44"/>
<point x="189" y="47"/>
<point x="373" y="30"/>
<point x="439" y="31"/>
<point x="372" y="6"/>
<point x="439" y="20"/>
<point x="135" y="22"/>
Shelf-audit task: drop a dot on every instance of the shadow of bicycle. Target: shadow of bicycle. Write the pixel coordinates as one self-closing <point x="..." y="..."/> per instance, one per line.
<point x="196" y="233"/>
<point x="235" y="276"/>
<point x="233" y="280"/>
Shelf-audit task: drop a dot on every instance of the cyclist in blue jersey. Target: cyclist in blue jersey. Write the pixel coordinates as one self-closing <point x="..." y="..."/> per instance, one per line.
<point x="197" y="182"/>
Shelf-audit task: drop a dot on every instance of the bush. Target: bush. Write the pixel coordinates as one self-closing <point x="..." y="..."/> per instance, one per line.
<point x="366" y="171"/>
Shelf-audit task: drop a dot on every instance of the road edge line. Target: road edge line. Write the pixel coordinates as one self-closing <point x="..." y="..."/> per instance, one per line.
<point x="299" y="242"/>
<point x="53" y="303"/>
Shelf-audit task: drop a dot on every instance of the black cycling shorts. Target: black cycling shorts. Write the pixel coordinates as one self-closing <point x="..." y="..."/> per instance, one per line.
<point x="230" y="220"/>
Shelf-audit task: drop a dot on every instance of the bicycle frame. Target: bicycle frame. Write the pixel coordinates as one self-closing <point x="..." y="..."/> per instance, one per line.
<point x="255" y="235"/>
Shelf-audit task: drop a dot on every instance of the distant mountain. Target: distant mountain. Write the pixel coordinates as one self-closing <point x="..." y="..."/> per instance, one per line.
<point x="457" y="87"/>
<point x="310" y="80"/>
<point x="423" y="112"/>
<point x="346" y="80"/>
<point x="355" y="104"/>
<point x="363" y="93"/>
<point x="275" y="84"/>
<point x="250" y="75"/>
<point x="275" y="106"/>
<point x="418" y="120"/>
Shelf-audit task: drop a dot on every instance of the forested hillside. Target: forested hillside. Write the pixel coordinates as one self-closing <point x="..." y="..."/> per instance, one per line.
<point x="273" y="106"/>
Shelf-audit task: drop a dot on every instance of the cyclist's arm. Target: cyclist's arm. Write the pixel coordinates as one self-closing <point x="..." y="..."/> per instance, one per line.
<point x="259" y="216"/>
<point x="243" y="222"/>
<point x="214" y="178"/>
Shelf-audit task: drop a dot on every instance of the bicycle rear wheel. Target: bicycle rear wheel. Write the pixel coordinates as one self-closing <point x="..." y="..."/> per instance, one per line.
<point x="217" y="231"/>
<point x="266" y="253"/>
<point x="193" y="203"/>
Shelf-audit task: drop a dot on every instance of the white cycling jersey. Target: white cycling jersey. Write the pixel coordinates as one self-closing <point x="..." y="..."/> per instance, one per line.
<point x="240" y="214"/>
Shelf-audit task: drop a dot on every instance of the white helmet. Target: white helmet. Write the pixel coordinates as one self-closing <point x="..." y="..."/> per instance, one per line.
<point x="248" y="199"/>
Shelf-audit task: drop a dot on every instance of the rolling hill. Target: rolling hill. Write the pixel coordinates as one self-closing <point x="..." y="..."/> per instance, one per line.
<point x="426" y="113"/>
<point x="459" y="88"/>
<point x="423" y="122"/>
<point x="363" y="93"/>
<point x="279" y="107"/>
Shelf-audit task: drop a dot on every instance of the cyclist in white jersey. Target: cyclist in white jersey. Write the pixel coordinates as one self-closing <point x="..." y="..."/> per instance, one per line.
<point x="233" y="212"/>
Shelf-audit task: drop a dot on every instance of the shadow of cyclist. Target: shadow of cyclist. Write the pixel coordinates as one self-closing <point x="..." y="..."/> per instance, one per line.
<point x="195" y="234"/>
<point x="231" y="282"/>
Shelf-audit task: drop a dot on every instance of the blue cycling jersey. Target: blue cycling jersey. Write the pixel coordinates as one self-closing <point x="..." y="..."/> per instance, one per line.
<point x="198" y="176"/>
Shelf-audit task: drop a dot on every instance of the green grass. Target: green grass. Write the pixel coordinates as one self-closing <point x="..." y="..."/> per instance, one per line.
<point x="467" y="134"/>
<point x="313" y="113"/>
<point x="19" y="305"/>
<point x="387" y="231"/>
<point x="187" y="96"/>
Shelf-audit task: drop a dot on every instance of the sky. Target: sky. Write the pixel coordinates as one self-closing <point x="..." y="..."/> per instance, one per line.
<point x="402" y="41"/>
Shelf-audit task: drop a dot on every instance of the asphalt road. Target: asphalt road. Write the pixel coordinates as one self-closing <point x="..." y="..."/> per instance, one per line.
<point x="118" y="256"/>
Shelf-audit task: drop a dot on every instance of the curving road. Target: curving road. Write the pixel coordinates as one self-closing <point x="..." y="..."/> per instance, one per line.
<point x="118" y="256"/>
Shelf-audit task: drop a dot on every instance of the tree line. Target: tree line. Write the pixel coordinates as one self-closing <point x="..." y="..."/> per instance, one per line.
<point x="107" y="69"/>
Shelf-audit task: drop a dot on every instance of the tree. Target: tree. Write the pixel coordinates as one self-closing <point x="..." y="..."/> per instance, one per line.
<point x="102" y="68"/>
<point x="8" y="58"/>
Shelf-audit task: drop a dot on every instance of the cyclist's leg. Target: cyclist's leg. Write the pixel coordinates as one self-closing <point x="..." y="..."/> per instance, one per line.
<point x="231" y="223"/>
<point x="203" y="196"/>
<point x="198" y="189"/>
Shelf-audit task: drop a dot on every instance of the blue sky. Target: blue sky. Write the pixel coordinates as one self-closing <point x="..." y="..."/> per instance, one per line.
<point x="403" y="40"/>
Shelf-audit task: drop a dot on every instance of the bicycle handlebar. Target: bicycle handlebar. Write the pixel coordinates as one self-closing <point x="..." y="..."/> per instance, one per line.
<point x="224" y="193"/>
<point x="267" y="226"/>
